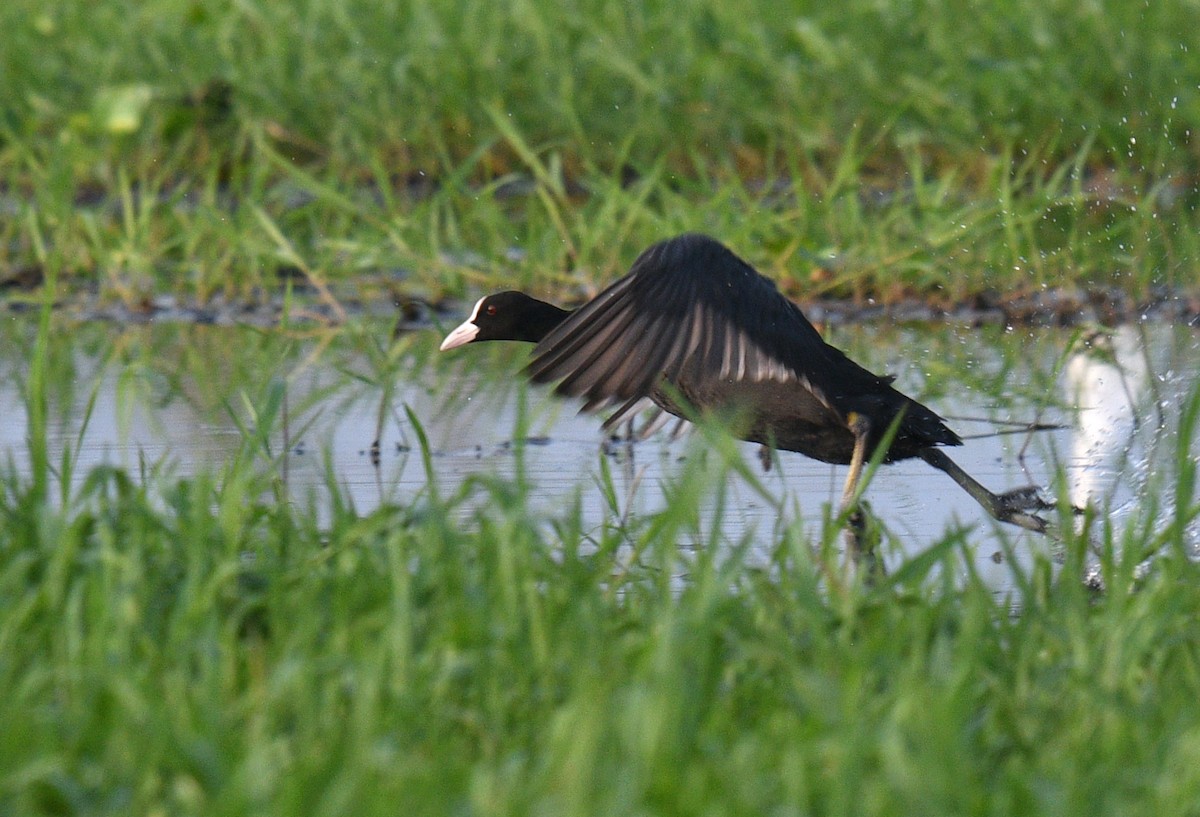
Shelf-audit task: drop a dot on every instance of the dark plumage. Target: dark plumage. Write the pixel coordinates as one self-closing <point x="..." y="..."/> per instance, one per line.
<point x="693" y="327"/>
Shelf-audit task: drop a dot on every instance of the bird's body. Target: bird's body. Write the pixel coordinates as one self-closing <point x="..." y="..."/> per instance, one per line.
<point x="695" y="329"/>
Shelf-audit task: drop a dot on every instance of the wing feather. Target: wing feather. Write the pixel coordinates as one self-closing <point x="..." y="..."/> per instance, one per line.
<point x="691" y="313"/>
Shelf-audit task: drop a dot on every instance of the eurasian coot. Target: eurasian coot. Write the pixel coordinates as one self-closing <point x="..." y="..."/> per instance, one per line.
<point x="694" y="328"/>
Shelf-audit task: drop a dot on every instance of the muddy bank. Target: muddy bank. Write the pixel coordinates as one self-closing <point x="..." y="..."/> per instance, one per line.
<point x="306" y="306"/>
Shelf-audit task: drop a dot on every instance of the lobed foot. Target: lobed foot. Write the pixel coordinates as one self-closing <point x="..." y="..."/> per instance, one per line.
<point x="863" y="536"/>
<point x="1015" y="506"/>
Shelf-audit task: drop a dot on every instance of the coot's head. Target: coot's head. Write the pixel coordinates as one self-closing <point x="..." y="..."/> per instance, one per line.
<point x="507" y="315"/>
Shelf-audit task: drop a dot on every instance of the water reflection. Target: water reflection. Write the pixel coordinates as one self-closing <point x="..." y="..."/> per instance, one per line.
<point x="1107" y="379"/>
<point x="1131" y="388"/>
<point x="182" y="398"/>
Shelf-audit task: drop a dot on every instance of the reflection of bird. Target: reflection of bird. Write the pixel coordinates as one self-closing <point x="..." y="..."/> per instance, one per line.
<point x="693" y="327"/>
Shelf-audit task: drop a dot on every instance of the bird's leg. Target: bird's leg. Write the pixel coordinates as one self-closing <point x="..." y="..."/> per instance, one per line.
<point x="859" y="427"/>
<point x="1012" y="507"/>
<point x="764" y="457"/>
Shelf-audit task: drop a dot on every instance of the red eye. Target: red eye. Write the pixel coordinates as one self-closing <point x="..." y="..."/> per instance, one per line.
<point x="491" y="310"/>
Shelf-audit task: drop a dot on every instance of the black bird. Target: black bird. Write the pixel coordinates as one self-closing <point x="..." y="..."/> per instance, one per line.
<point x="694" y="328"/>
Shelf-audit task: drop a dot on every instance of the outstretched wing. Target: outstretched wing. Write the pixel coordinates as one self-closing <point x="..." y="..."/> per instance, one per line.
<point x="688" y="305"/>
<point x="692" y="314"/>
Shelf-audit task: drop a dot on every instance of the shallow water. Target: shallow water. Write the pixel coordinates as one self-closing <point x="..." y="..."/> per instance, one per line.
<point x="180" y="398"/>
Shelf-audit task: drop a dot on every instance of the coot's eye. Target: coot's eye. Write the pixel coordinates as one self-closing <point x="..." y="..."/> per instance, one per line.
<point x="491" y="309"/>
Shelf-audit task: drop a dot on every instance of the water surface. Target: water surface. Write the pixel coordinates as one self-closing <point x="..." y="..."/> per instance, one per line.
<point x="179" y="398"/>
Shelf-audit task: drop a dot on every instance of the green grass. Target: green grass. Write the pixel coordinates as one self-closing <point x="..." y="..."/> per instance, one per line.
<point x="185" y="649"/>
<point x="204" y="646"/>
<point x="867" y="148"/>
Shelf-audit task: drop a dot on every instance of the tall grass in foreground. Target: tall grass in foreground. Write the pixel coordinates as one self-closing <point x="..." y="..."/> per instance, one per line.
<point x="198" y="647"/>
